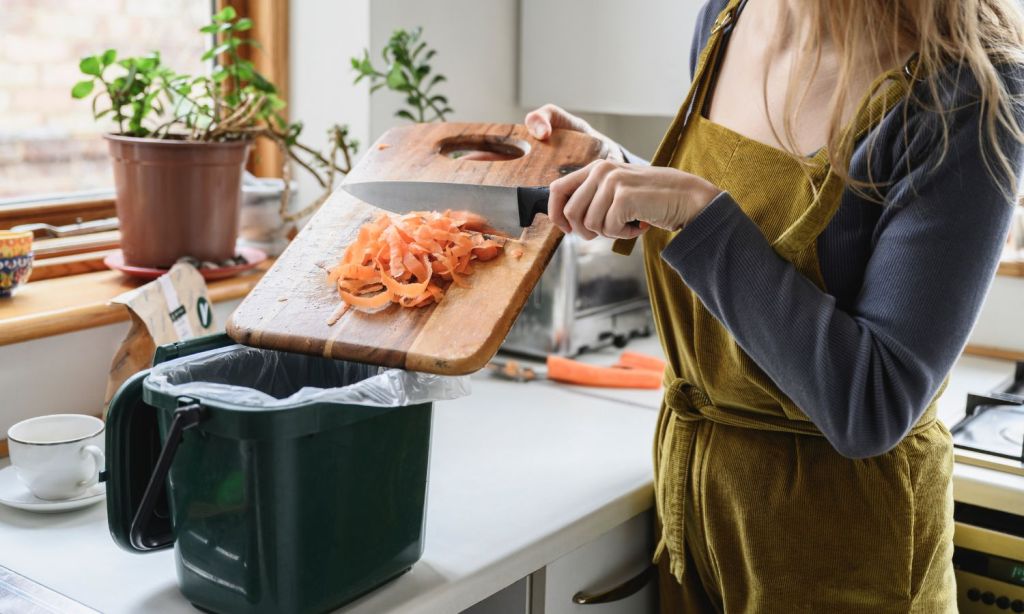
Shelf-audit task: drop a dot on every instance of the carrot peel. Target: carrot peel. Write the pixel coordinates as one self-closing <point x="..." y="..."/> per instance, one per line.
<point x="411" y="260"/>
<point x="571" y="371"/>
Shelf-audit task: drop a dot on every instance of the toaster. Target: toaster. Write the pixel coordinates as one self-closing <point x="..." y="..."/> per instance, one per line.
<point x="587" y="298"/>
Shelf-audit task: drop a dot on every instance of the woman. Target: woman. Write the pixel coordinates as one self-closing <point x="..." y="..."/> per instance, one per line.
<point x="820" y="225"/>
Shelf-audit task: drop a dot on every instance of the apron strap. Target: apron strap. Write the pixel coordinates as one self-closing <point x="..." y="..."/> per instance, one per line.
<point x="694" y="100"/>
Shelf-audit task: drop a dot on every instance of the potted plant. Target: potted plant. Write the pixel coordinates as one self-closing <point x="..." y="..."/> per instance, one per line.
<point x="182" y="142"/>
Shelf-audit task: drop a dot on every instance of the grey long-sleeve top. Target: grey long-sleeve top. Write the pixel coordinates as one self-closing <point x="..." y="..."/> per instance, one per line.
<point x="905" y="278"/>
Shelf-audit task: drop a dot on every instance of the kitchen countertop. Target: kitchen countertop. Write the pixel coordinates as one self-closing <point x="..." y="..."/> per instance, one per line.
<point x="520" y="475"/>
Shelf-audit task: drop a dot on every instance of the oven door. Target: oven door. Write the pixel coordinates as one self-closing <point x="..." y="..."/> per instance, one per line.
<point x="989" y="561"/>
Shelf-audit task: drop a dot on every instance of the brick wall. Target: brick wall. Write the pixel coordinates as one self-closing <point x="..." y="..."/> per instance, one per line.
<point x="49" y="142"/>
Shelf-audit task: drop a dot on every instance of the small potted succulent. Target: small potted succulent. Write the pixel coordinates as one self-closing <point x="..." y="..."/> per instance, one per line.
<point x="181" y="143"/>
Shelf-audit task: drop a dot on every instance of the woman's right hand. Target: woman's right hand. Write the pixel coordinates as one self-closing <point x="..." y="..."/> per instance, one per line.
<point x="540" y="122"/>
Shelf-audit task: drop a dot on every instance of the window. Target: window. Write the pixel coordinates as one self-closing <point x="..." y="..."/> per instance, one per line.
<point x="49" y="143"/>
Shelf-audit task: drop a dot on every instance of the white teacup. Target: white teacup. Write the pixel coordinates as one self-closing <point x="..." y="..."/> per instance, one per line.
<point x="59" y="456"/>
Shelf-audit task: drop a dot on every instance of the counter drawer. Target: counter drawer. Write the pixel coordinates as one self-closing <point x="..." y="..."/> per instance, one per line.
<point x="594" y="568"/>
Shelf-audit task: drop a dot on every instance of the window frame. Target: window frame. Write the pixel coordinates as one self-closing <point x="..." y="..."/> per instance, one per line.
<point x="270" y="30"/>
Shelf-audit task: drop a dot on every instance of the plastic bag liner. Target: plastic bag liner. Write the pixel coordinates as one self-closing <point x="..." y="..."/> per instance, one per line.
<point x="268" y="379"/>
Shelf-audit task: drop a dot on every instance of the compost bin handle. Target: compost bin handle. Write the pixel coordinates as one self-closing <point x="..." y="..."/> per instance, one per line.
<point x="185" y="417"/>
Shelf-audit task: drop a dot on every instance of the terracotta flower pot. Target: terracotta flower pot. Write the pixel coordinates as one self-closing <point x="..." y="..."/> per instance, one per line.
<point x="177" y="198"/>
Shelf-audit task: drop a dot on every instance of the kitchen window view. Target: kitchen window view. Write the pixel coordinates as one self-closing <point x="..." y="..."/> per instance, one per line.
<point x="48" y="145"/>
<point x="374" y="307"/>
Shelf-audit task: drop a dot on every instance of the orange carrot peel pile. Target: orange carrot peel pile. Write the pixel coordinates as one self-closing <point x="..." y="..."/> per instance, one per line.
<point x="411" y="260"/>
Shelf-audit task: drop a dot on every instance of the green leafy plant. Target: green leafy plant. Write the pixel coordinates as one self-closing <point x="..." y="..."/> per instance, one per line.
<point x="233" y="102"/>
<point x="406" y="70"/>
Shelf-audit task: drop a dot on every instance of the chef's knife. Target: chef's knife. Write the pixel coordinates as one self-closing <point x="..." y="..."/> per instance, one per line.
<point x="508" y="209"/>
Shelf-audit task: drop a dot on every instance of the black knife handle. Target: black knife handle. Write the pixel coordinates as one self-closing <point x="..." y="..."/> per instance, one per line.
<point x="531" y="202"/>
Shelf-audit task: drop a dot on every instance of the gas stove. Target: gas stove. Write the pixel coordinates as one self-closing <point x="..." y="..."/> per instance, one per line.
<point x="989" y="491"/>
<point x="992" y="433"/>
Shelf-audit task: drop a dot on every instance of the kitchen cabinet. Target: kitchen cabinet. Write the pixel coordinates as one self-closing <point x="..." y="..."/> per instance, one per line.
<point x="596" y="567"/>
<point x="606" y="56"/>
<point x="604" y="563"/>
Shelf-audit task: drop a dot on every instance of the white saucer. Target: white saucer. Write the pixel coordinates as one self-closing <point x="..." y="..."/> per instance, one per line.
<point x="15" y="494"/>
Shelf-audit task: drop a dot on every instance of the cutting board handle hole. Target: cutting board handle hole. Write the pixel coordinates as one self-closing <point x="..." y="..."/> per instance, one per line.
<point x="483" y="148"/>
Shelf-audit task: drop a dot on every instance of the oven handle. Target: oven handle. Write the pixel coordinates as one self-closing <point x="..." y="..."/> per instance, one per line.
<point x="988" y="541"/>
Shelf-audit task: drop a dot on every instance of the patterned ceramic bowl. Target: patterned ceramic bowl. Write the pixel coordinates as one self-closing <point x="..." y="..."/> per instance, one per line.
<point x="14" y="244"/>
<point x="14" y="272"/>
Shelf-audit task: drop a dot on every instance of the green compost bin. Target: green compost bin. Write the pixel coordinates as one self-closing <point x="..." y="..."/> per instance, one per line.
<point x="291" y="508"/>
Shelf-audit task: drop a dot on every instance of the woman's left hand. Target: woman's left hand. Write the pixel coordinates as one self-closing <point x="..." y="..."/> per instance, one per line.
<point x="602" y="198"/>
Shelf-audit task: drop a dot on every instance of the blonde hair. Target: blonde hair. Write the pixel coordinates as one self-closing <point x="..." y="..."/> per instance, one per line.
<point x="945" y="38"/>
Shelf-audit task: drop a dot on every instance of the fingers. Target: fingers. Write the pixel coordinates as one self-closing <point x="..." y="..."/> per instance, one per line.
<point x="540" y="122"/>
<point x="620" y="221"/>
<point x="602" y="199"/>
<point x="588" y="208"/>
<point x="630" y="231"/>
<point x="486" y="156"/>
<point x="579" y="202"/>
<point x="561" y="190"/>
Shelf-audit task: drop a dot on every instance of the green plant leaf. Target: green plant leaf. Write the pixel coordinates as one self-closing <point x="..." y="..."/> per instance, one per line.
<point x="82" y="89"/>
<point x="402" y="113"/>
<point x="276" y="104"/>
<point x="108" y="57"/>
<point x="262" y="84"/>
<point x="396" y="78"/>
<point x="215" y="51"/>
<point x="216" y="28"/>
<point x="226" y="14"/>
<point x="245" y="73"/>
<point x="243" y="24"/>
<point x="434" y="81"/>
<point x="91" y="66"/>
<point x="149" y="62"/>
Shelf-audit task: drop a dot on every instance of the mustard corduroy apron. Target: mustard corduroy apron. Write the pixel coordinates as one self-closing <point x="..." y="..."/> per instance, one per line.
<point x="758" y="512"/>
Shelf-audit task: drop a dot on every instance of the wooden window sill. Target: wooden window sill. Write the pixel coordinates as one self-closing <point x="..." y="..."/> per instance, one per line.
<point x="67" y="304"/>
<point x="1011" y="268"/>
<point x="986" y="351"/>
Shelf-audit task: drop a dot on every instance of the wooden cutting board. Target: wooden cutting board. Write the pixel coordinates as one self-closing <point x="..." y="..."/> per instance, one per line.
<point x="288" y="310"/>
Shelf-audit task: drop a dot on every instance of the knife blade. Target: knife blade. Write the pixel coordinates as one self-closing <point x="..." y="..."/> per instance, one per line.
<point x="508" y="209"/>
